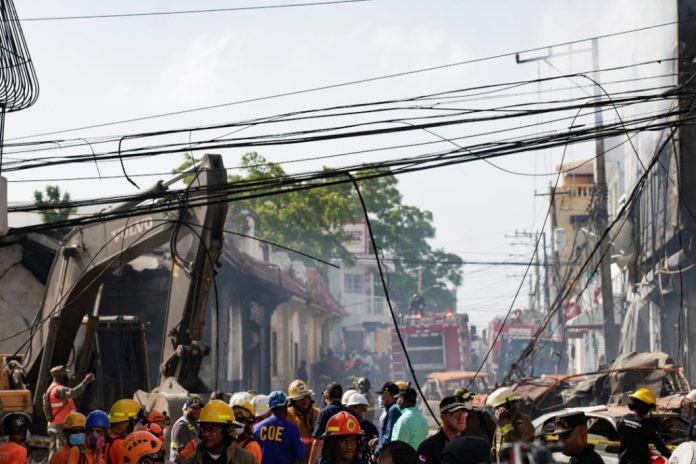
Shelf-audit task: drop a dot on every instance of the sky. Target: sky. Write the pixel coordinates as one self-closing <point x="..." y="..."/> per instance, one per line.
<point x="103" y="70"/>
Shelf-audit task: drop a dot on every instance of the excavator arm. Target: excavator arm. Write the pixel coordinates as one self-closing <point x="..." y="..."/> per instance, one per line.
<point x="90" y="253"/>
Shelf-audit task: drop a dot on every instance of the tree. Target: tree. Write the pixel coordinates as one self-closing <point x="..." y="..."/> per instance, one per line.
<point x="58" y="208"/>
<point x="312" y="221"/>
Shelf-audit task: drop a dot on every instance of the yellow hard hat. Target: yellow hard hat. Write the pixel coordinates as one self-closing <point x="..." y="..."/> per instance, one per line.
<point x="75" y="420"/>
<point x="124" y="410"/>
<point x="402" y="384"/>
<point x="218" y="412"/>
<point x="644" y="395"/>
<point x="501" y="396"/>
<point x="249" y="411"/>
<point x="298" y="389"/>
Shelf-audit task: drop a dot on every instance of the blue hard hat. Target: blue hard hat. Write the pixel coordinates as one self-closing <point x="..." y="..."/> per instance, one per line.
<point x="277" y="399"/>
<point x="97" y="418"/>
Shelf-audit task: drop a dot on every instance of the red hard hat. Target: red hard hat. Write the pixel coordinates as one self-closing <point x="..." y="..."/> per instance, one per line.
<point x="342" y="423"/>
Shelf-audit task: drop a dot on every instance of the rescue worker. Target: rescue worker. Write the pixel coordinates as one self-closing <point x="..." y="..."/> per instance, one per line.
<point x="58" y="403"/>
<point x="302" y="412"/>
<point x="124" y="415"/>
<point x="467" y="450"/>
<point x="245" y="413"/>
<point x="397" y="452"/>
<point x="343" y="440"/>
<point x="412" y="426"/>
<point x="479" y="423"/>
<point x="157" y="417"/>
<point x="637" y="431"/>
<point x="15" y="425"/>
<point x="364" y="386"/>
<point x="279" y="438"/>
<point x="141" y="447"/>
<point x="332" y="396"/>
<point x="571" y="429"/>
<point x="392" y="413"/>
<point x="96" y="446"/>
<point x="512" y="424"/>
<point x="359" y="406"/>
<point x="74" y="429"/>
<point x="217" y="423"/>
<point x="453" y="416"/>
<point x="184" y="429"/>
<point x="260" y="403"/>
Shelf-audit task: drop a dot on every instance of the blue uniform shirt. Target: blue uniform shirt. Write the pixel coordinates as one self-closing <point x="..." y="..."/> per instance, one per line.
<point x="280" y="441"/>
<point x="385" y="436"/>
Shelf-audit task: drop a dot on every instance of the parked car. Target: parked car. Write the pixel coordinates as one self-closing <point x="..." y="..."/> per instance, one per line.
<point x="602" y="430"/>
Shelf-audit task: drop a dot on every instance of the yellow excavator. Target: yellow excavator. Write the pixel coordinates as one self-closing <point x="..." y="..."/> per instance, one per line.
<point x="68" y="328"/>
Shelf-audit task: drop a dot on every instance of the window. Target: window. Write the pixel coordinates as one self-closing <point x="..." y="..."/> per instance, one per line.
<point x="353" y="283"/>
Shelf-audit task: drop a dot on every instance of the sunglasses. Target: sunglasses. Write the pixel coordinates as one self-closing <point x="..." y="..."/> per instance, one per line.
<point x="564" y="435"/>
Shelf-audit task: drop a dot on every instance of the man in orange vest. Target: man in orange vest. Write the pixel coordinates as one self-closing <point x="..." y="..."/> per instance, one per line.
<point x="15" y="425"/>
<point x="58" y="403"/>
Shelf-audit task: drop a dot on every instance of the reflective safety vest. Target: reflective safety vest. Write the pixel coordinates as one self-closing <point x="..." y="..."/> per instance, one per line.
<point x="59" y="408"/>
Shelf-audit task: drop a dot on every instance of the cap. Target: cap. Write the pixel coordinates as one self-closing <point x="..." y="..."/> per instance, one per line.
<point x="334" y="390"/>
<point x="466" y="450"/>
<point x="357" y="399"/>
<point x="58" y="370"/>
<point x="409" y="394"/>
<point x="452" y="404"/>
<point x="390" y="387"/>
<point x="193" y="401"/>
<point x="568" y="422"/>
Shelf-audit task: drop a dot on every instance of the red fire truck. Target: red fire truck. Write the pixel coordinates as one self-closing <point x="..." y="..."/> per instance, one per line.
<point x="435" y="342"/>
<point x="514" y="337"/>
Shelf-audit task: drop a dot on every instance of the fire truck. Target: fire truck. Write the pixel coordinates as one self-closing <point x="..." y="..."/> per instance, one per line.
<point x="514" y="337"/>
<point x="435" y="342"/>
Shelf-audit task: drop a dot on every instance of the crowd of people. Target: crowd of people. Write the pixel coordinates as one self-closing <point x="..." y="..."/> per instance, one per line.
<point x="285" y="427"/>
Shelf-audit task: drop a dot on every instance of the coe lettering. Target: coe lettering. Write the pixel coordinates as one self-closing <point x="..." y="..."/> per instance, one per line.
<point x="271" y="433"/>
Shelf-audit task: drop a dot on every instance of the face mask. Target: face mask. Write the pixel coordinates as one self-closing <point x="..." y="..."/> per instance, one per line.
<point x="76" y="439"/>
<point x="96" y="441"/>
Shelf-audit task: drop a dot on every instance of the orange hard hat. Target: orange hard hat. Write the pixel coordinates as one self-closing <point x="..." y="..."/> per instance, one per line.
<point x="157" y="416"/>
<point x="342" y="423"/>
<point x="137" y="445"/>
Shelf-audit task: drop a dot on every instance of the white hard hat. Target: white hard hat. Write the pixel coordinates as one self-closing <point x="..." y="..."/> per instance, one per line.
<point x="260" y="403"/>
<point x="347" y="395"/>
<point x="357" y="399"/>
<point x="240" y="397"/>
<point x="501" y="396"/>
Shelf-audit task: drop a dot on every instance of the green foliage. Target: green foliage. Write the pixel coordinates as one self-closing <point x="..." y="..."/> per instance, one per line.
<point x="58" y="209"/>
<point x="311" y="221"/>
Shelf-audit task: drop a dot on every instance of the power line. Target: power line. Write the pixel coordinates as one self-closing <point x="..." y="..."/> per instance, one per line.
<point x="357" y="81"/>
<point x="183" y="12"/>
<point x="324" y="134"/>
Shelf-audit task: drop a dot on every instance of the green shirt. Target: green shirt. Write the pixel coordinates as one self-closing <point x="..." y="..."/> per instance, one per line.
<point x="411" y="427"/>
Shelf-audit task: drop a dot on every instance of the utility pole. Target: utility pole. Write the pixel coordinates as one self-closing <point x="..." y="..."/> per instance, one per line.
<point x="611" y="335"/>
